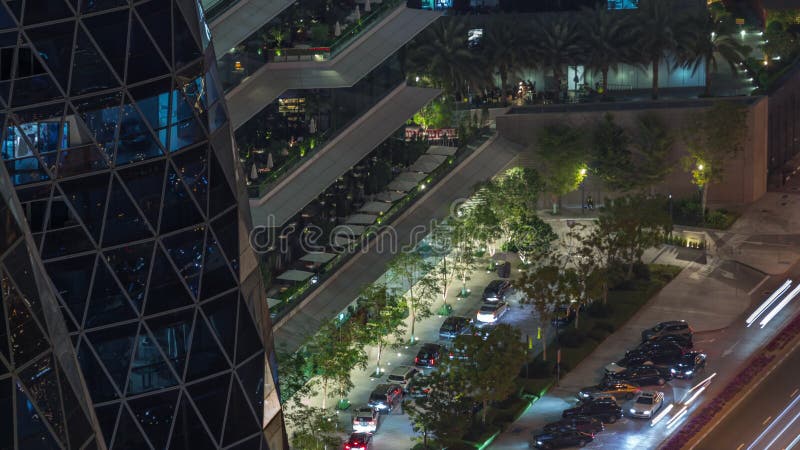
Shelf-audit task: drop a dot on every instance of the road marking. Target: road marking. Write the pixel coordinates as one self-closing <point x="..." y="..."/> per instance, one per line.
<point x="740" y="446"/>
<point x="729" y="350"/>
<point x="794" y="393"/>
<point x="766" y="420"/>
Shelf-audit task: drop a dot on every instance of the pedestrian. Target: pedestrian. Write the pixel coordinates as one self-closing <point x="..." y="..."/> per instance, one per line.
<point x="590" y="203"/>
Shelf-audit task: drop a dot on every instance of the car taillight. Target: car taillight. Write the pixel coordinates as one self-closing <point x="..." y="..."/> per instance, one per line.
<point x="347" y="447"/>
<point x="432" y="361"/>
<point x="451" y="355"/>
<point x="416" y="360"/>
<point x="373" y="422"/>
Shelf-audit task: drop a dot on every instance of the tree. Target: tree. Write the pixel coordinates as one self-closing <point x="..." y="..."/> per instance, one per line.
<point x="491" y="366"/>
<point x="296" y="370"/>
<point x="312" y="428"/>
<point x="544" y="287"/>
<point x="504" y="50"/>
<point x="608" y="38"/>
<point x="480" y="221"/>
<point x="557" y="43"/>
<point x="384" y="323"/>
<point x="652" y="143"/>
<point x="410" y="270"/>
<point x="713" y="137"/>
<point x="588" y="276"/>
<point x="530" y="237"/>
<point x="441" y="51"/>
<point x="714" y="35"/>
<point x="562" y="151"/>
<point x="465" y="240"/>
<point x="511" y="196"/>
<point x="611" y="155"/>
<point x="630" y="225"/>
<point x="660" y="29"/>
<point x="445" y="412"/>
<point x="334" y="352"/>
<point x="445" y="272"/>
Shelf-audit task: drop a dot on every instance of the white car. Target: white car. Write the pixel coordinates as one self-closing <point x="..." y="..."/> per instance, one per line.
<point x="490" y="312"/>
<point x="646" y="404"/>
<point x="365" y="420"/>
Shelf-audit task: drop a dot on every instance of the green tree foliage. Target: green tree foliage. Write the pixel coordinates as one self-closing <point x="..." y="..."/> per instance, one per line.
<point x="333" y="352"/>
<point x="652" y="143"/>
<point x="436" y="114"/>
<point x="446" y="270"/>
<point x="611" y="155"/>
<point x="384" y="313"/>
<point x="627" y="226"/>
<point x="296" y="370"/>
<point x="505" y="49"/>
<point x="511" y="197"/>
<point x="530" y="236"/>
<point x="556" y="41"/>
<point x="446" y="412"/>
<point x="713" y="137"/>
<point x="409" y="270"/>
<point x="562" y="150"/>
<point x="486" y="372"/>
<point x="550" y="290"/>
<point x="312" y="428"/>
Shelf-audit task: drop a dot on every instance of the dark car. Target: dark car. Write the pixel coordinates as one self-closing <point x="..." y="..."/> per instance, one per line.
<point x="689" y="365"/>
<point x="561" y="439"/>
<point x="454" y="326"/>
<point x="642" y="376"/>
<point x="359" y="441"/>
<point x="385" y="397"/>
<point x="589" y="425"/>
<point x="679" y="327"/>
<point x="429" y="355"/>
<point x="605" y="409"/>
<point x="419" y="388"/>
<point x="483" y="329"/>
<point x="659" y="353"/>
<point x="683" y="340"/>
<point x="496" y="290"/>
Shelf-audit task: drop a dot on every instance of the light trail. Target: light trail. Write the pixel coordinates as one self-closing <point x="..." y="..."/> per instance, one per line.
<point x="661" y="415"/>
<point x="766" y="431"/>
<point x="768" y="302"/>
<point x="780" y="306"/>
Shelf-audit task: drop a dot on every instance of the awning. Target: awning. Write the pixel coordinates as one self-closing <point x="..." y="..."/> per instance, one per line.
<point x="375" y="207"/>
<point x="295" y="275"/>
<point x="318" y="257"/>
<point x="442" y="150"/>
<point x="428" y="163"/>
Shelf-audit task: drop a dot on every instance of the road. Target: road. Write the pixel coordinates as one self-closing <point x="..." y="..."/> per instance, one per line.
<point x="768" y="419"/>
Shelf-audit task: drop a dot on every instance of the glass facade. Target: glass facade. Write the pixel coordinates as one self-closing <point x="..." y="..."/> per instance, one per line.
<point x="116" y="139"/>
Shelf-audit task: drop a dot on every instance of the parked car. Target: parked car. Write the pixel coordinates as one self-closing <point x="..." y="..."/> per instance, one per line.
<point x="561" y="439"/>
<point x="492" y="311"/>
<point x="419" y="388"/>
<point x="618" y="389"/>
<point x="454" y="326"/>
<point x="679" y="327"/>
<point x="429" y="355"/>
<point x="646" y="375"/>
<point x="564" y="316"/>
<point x="683" y="340"/>
<point x="503" y="269"/>
<point x="458" y="353"/>
<point x="496" y="291"/>
<point x="359" y="441"/>
<point x="583" y="424"/>
<point x="607" y="410"/>
<point x="663" y="354"/>
<point x="483" y="329"/>
<point x="690" y="364"/>
<point x="646" y="404"/>
<point x="365" y="420"/>
<point x="385" y="397"/>
<point x="402" y="375"/>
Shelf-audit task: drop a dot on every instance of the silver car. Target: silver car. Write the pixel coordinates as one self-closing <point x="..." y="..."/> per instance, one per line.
<point x="646" y="404"/>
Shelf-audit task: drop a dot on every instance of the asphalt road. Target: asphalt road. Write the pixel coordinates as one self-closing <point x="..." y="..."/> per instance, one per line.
<point x="768" y="419"/>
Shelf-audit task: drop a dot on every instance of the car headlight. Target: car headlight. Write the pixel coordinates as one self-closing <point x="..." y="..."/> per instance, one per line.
<point x="633" y="411"/>
<point x="646" y="413"/>
<point x="672" y="371"/>
<point x="538" y="442"/>
<point x="583" y="394"/>
<point x="688" y="372"/>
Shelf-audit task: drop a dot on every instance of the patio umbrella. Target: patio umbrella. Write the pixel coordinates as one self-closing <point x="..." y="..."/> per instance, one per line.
<point x="270" y="162"/>
<point x="367" y="6"/>
<point x="254" y="172"/>
<point x="312" y="126"/>
<point x="337" y="29"/>
<point x="358" y="13"/>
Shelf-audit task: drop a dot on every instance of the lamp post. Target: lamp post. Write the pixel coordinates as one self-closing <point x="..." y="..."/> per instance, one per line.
<point x="702" y="186"/>
<point x="583" y="190"/>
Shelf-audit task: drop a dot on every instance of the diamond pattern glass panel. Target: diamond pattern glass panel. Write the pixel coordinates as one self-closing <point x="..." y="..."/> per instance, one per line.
<point x="128" y="435"/>
<point x="189" y="433"/>
<point x="208" y="396"/>
<point x="131" y="264"/>
<point x="110" y="32"/>
<point x="123" y="221"/>
<point x="100" y="388"/>
<point x="6" y="414"/>
<point x="114" y="347"/>
<point x="41" y="384"/>
<point x="155" y="415"/>
<point x="221" y="314"/>
<point x="173" y="332"/>
<point x="71" y="278"/>
<point x="166" y="289"/>
<point x="107" y="304"/>
<point x="186" y="251"/>
<point x="205" y="357"/>
<point x="146" y="184"/>
<point x="149" y="370"/>
<point x="240" y="421"/>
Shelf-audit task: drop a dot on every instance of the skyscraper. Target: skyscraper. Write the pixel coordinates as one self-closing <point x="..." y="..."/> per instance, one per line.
<point x="117" y="143"/>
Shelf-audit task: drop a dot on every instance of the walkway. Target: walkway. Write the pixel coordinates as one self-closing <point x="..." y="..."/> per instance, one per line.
<point x="338" y="291"/>
<point x="351" y="145"/>
<point x="241" y="20"/>
<point x="346" y="69"/>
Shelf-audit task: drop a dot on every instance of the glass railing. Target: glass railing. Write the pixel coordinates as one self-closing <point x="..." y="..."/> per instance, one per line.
<point x="315" y="35"/>
<point x="213" y="8"/>
<point x="300" y="122"/>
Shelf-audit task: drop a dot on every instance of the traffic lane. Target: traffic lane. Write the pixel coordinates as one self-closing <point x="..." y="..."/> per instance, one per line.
<point x="763" y="412"/>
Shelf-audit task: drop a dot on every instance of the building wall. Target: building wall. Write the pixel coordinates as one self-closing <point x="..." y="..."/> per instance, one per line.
<point x="784" y="125"/>
<point x="746" y="175"/>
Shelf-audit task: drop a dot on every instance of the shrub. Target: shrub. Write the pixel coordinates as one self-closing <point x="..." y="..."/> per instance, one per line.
<point x="641" y="271"/>
<point x="599" y="310"/>
<point x="572" y="338"/>
<point x="605" y="326"/>
<point x="597" y="334"/>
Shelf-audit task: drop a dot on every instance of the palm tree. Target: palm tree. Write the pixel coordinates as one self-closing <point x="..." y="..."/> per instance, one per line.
<point x="504" y="50"/>
<point x="714" y="37"/>
<point x="660" y="26"/>
<point x="441" y="52"/>
<point x="556" y="43"/>
<point x="608" y="38"/>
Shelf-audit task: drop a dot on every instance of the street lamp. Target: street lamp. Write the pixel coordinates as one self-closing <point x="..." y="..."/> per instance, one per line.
<point x="583" y="190"/>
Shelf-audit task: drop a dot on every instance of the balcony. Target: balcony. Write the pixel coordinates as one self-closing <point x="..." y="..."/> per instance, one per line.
<point x="344" y="70"/>
<point x="291" y="193"/>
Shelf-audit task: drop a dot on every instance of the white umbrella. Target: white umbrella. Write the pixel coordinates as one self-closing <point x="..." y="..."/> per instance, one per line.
<point x="337" y="29"/>
<point x="367" y="6"/>
<point x="358" y="14"/>
<point x="270" y="163"/>
<point x="254" y="172"/>
<point x="312" y="126"/>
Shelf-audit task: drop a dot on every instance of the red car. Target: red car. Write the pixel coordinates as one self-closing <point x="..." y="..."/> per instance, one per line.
<point x="359" y="441"/>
